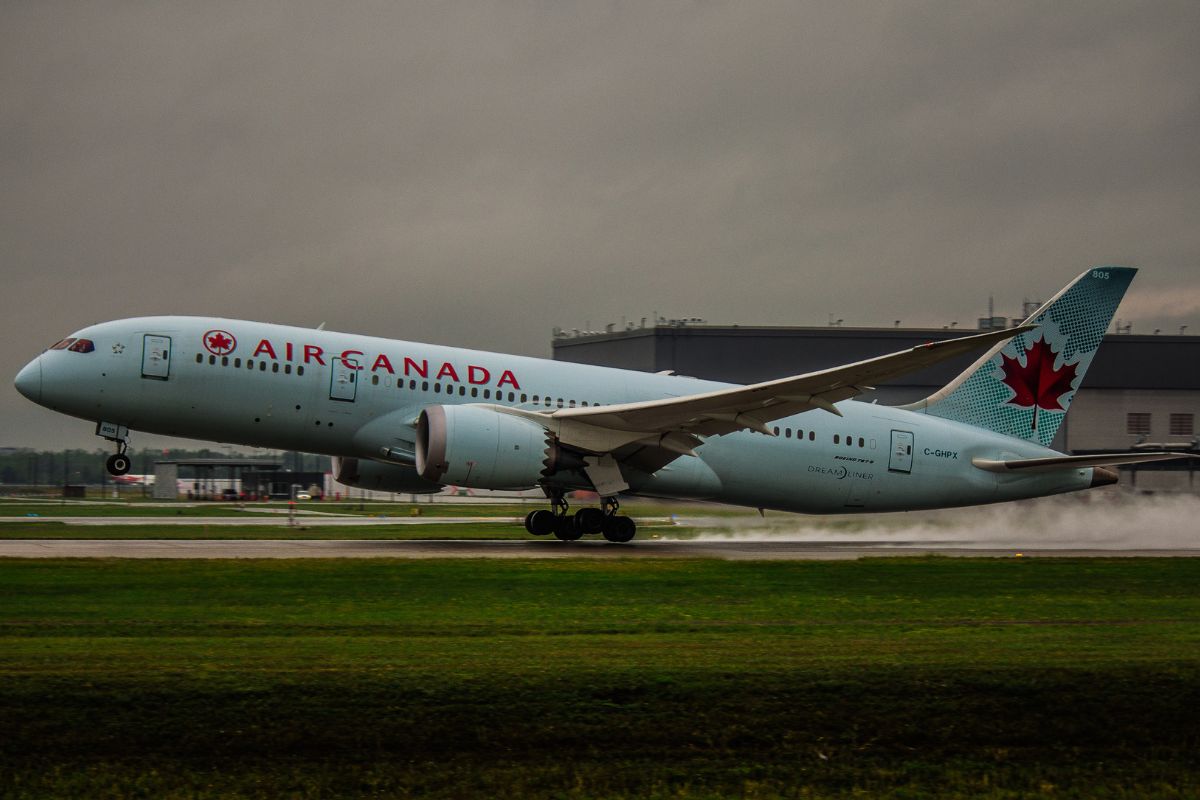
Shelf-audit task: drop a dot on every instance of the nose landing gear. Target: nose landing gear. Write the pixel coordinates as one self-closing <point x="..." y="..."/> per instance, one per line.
<point x="120" y="463"/>
<point x="570" y="527"/>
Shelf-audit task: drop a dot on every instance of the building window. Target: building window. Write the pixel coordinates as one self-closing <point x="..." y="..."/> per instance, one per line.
<point x="1183" y="425"/>
<point x="1137" y="423"/>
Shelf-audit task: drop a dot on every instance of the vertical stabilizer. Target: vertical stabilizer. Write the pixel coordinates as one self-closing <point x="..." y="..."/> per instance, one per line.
<point x="1023" y="387"/>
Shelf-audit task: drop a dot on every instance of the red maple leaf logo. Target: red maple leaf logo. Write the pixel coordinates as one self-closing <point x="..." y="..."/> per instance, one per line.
<point x="1037" y="384"/>
<point x="219" y="342"/>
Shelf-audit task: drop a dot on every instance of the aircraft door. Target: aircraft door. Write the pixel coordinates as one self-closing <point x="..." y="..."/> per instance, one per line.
<point x="902" y="452"/>
<point x="156" y="356"/>
<point x="343" y="379"/>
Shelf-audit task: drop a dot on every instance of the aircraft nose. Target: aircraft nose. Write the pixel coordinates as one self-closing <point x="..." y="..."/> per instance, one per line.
<point x="29" y="380"/>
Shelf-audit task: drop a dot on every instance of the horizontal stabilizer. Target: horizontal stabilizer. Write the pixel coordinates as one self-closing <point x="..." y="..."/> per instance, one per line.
<point x="1058" y="463"/>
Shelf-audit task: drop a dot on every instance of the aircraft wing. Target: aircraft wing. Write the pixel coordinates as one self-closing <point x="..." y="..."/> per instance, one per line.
<point x="653" y="433"/>
<point x="1057" y="463"/>
<point x="752" y="407"/>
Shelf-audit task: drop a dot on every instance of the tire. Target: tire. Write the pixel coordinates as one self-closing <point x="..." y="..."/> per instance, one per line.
<point x="118" y="464"/>
<point x="619" y="530"/>
<point x="564" y="529"/>
<point x="589" y="520"/>
<point x="540" y="522"/>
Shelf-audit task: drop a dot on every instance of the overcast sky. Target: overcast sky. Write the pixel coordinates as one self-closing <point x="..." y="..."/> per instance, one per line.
<point x="474" y="174"/>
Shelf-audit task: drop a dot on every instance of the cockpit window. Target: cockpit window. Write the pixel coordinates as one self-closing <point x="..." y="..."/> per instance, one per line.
<point x="62" y="344"/>
<point x="82" y="346"/>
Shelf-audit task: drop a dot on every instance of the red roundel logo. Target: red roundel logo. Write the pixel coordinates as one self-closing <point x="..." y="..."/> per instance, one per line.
<point x="219" y="343"/>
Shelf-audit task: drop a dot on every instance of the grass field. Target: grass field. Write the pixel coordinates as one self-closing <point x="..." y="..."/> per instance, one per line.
<point x="672" y="679"/>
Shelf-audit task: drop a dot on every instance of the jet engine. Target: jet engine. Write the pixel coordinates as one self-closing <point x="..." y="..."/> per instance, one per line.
<point x="379" y="477"/>
<point x="486" y="449"/>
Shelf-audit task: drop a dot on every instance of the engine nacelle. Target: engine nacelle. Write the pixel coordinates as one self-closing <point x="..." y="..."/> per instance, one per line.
<point x="378" y="477"/>
<point x="482" y="448"/>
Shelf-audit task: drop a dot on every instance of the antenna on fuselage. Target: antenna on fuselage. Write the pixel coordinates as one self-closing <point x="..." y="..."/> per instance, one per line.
<point x="321" y="327"/>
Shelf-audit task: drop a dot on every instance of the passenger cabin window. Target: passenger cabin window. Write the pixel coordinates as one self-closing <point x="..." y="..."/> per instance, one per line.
<point x="837" y="439"/>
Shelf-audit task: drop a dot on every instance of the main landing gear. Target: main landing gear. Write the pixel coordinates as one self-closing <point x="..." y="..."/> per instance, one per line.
<point x="569" y="527"/>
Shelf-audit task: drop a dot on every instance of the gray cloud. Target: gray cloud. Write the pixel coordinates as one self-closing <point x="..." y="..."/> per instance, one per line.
<point x="477" y="173"/>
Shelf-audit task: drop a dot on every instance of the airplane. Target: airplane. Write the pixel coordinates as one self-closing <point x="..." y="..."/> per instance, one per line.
<point x="408" y="417"/>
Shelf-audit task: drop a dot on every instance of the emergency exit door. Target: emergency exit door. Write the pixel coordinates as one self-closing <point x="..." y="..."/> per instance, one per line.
<point x="156" y="356"/>
<point x="343" y="380"/>
<point x="902" y="452"/>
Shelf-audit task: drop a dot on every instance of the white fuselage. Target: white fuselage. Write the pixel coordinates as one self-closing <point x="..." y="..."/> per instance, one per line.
<point x="346" y="395"/>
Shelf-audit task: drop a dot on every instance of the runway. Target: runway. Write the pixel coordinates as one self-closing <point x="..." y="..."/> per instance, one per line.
<point x="728" y="550"/>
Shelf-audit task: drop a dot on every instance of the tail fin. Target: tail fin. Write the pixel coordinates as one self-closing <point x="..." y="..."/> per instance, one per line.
<point x="1023" y="387"/>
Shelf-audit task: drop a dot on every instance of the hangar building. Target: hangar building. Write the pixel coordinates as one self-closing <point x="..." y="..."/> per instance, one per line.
<point x="1140" y="389"/>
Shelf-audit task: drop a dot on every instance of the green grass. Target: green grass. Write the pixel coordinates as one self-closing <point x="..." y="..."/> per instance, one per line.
<point x="646" y="678"/>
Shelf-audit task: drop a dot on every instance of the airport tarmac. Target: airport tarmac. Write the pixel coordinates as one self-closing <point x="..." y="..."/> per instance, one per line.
<point x="729" y="550"/>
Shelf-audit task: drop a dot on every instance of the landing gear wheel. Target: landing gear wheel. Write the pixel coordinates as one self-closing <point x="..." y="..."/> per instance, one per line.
<point x="118" y="464"/>
<point x="589" y="520"/>
<point x="540" y="522"/>
<point x="565" y="529"/>
<point x="619" y="530"/>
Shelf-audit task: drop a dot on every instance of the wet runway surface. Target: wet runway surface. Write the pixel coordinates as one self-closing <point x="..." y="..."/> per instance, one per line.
<point x="759" y="549"/>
